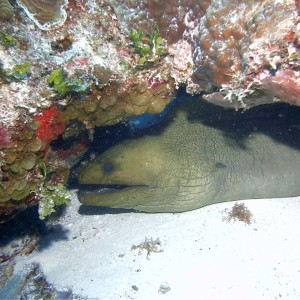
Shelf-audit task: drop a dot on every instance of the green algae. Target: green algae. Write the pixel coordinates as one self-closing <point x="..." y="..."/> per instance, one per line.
<point x="7" y="39"/>
<point x="63" y="85"/>
<point x="17" y="73"/>
<point x="21" y="71"/>
<point x="58" y="81"/>
<point x="52" y="196"/>
<point x="150" y="46"/>
<point x="45" y="170"/>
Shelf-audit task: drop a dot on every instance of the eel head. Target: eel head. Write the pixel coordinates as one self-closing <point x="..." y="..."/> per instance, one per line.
<point x="131" y="175"/>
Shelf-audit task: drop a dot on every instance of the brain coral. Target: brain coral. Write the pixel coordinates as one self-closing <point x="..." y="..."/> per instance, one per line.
<point x="46" y="14"/>
<point x="239" y="43"/>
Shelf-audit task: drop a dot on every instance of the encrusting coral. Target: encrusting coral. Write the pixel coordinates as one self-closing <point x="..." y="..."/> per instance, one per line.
<point x="239" y="50"/>
<point x="6" y="10"/>
<point x="53" y="80"/>
<point x="172" y="19"/>
<point x="46" y="14"/>
<point x="69" y="66"/>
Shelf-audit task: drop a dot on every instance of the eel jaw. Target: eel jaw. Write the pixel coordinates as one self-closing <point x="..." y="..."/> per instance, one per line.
<point x="117" y="196"/>
<point x="150" y="199"/>
<point x="98" y="189"/>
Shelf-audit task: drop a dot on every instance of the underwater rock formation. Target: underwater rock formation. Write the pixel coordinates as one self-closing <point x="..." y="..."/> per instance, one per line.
<point x="249" y="51"/>
<point x="69" y="66"/>
<point x="64" y="82"/>
<point x="46" y="14"/>
<point x="6" y="10"/>
<point x="173" y="19"/>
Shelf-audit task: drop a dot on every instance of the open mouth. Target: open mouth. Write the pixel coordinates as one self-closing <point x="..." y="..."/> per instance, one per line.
<point x="101" y="189"/>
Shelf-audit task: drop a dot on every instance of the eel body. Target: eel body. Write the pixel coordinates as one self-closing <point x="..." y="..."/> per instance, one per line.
<point x="203" y="155"/>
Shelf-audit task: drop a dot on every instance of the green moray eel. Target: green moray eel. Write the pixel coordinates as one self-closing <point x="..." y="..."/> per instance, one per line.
<point x="203" y="155"/>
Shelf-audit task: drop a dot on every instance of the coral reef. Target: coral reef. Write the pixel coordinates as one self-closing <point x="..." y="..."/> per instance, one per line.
<point x="69" y="66"/>
<point x="6" y="10"/>
<point x="46" y="14"/>
<point x="64" y="82"/>
<point x="173" y="19"/>
<point x="239" y="51"/>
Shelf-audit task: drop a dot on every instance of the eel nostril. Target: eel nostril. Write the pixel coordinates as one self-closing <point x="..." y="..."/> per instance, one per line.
<point x="108" y="167"/>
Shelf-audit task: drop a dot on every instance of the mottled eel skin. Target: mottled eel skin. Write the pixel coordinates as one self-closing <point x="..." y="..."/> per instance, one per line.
<point x="204" y="155"/>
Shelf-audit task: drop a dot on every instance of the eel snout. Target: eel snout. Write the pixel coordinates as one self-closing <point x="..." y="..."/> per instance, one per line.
<point x="131" y="175"/>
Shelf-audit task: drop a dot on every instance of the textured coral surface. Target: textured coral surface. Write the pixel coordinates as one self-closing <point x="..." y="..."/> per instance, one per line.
<point x="237" y="43"/>
<point x="172" y="17"/>
<point x="69" y="66"/>
<point x="45" y="13"/>
<point x="64" y="82"/>
<point x="6" y="10"/>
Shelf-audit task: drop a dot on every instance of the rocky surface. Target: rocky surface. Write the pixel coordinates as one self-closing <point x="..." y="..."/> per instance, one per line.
<point x="86" y="64"/>
<point x="65" y="81"/>
<point x="249" y="52"/>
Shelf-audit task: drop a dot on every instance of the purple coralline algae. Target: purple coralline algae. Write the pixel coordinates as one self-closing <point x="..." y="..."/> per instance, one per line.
<point x="67" y="67"/>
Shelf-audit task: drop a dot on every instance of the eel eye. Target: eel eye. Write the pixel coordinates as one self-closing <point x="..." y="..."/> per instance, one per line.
<point x="108" y="167"/>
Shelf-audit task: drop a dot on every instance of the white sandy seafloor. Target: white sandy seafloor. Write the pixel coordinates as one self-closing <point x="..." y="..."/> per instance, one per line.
<point x="203" y="257"/>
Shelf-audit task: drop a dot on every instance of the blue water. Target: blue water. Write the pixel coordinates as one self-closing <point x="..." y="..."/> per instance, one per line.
<point x="147" y="120"/>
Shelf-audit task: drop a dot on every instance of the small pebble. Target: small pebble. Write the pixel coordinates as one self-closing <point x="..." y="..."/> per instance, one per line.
<point x="164" y="288"/>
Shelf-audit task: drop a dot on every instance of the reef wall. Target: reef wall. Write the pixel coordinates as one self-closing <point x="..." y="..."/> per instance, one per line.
<point x="67" y="67"/>
<point x="61" y="79"/>
<point x="249" y="52"/>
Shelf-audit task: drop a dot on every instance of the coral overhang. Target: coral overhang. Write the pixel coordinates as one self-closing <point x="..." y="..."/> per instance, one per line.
<point x="242" y="48"/>
<point x="67" y="67"/>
